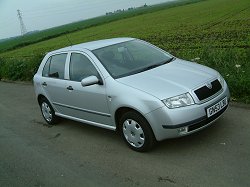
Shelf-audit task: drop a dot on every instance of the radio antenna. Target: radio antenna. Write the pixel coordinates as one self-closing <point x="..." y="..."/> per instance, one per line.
<point x="68" y="40"/>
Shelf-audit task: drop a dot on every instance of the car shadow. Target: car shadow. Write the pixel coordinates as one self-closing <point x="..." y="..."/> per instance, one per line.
<point x="88" y="129"/>
<point x="181" y="145"/>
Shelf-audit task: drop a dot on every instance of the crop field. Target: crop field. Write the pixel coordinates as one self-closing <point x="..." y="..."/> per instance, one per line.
<point x="211" y="32"/>
<point x="35" y="37"/>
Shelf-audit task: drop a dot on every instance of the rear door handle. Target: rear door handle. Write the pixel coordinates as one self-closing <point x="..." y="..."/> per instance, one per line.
<point x="44" y="84"/>
<point x="70" y="88"/>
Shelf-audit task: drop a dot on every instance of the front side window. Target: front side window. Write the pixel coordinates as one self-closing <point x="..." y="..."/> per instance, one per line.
<point x="81" y="67"/>
<point x="57" y="66"/>
<point x="130" y="57"/>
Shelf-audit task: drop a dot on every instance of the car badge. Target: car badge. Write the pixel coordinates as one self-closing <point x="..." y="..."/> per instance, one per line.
<point x="209" y="85"/>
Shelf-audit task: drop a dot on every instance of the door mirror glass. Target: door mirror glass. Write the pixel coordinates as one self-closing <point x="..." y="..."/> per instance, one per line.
<point x="91" y="80"/>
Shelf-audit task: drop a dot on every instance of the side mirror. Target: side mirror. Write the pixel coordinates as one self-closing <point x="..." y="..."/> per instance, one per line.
<point x="91" y="80"/>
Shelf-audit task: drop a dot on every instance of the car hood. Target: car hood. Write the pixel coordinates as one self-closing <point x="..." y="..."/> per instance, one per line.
<point x="174" y="78"/>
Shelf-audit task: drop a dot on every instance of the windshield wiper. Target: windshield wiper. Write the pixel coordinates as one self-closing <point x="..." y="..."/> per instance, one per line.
<point x="169" y="60"/>
<point x="149" y="67"/>
<point x="156" y="65"/>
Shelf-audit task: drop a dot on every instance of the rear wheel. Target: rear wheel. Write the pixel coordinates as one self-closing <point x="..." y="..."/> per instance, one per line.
<point x="136" y="132"/>
<point x="48" y="112"/>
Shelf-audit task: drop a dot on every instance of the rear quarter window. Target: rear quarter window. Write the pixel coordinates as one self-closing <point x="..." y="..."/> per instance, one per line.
<point x="46" y="68"/>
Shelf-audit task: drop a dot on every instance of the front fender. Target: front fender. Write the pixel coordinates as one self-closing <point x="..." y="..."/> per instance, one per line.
<point x="120" y="95"/>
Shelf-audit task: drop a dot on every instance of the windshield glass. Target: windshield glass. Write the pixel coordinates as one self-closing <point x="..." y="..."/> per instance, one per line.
<point x="130" y="57"/>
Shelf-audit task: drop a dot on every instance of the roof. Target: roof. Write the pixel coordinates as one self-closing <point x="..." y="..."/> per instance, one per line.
<point x="95" y="44"/>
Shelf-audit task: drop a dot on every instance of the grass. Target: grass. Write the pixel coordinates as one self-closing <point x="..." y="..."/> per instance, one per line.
<point x="214" y="32"/>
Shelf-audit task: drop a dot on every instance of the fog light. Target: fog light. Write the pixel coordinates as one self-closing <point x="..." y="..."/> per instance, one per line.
<point x="182" y="130"/>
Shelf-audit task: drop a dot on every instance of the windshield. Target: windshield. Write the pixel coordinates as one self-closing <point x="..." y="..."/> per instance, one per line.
<point x="130" y="57"/>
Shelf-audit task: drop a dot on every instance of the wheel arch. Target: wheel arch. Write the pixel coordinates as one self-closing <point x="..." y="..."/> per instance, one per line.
<point x="122" y="110"/>
<point x="119" y="112"/>
<point x="39" y="97"/>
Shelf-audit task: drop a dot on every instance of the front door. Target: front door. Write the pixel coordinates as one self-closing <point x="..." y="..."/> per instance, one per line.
<point x="88" y="103"/>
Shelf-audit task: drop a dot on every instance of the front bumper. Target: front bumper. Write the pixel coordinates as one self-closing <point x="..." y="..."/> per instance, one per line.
<point x="171" y="123"/>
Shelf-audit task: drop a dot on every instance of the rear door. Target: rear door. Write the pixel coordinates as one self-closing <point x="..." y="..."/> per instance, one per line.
<point x="53" y="80"/>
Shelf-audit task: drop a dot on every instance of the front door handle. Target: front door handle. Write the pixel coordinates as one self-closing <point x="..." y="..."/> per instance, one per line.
<point x="44" y="84"/>
<point x="70" y="88"/>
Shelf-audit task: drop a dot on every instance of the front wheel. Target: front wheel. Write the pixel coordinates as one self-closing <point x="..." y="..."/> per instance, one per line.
<point x="48" y="112"/>
<point x="136" y="132"/>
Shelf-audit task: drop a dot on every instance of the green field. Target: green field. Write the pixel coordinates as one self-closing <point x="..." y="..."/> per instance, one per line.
<point x="35" y="37"/>
<point x="214" y="32"/>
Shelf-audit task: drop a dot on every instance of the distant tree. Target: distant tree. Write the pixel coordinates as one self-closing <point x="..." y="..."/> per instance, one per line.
<point x="109" y="13"/>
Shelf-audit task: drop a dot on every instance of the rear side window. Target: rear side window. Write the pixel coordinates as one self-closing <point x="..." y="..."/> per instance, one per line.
<point x="55" y="66"/>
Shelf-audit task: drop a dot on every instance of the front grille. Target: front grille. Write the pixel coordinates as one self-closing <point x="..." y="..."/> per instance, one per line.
<point x="205" y="92"/>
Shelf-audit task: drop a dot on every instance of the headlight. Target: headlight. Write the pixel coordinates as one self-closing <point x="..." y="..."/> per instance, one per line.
<point x="221" y="80"/>
<point x="179" y="101"/>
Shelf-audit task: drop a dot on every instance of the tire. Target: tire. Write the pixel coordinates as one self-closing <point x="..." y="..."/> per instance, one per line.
<point x="136" y="132"/>
<point x="48" y="112"/>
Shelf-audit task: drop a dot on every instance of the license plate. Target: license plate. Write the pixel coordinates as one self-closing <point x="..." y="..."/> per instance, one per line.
<point x="216" y="107"/>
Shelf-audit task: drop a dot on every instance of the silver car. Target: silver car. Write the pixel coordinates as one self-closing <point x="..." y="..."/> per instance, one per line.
<point x="131" y="86"/>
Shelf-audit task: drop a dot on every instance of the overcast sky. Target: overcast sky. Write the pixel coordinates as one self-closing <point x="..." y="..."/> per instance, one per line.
<point x="43" y="14"/>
